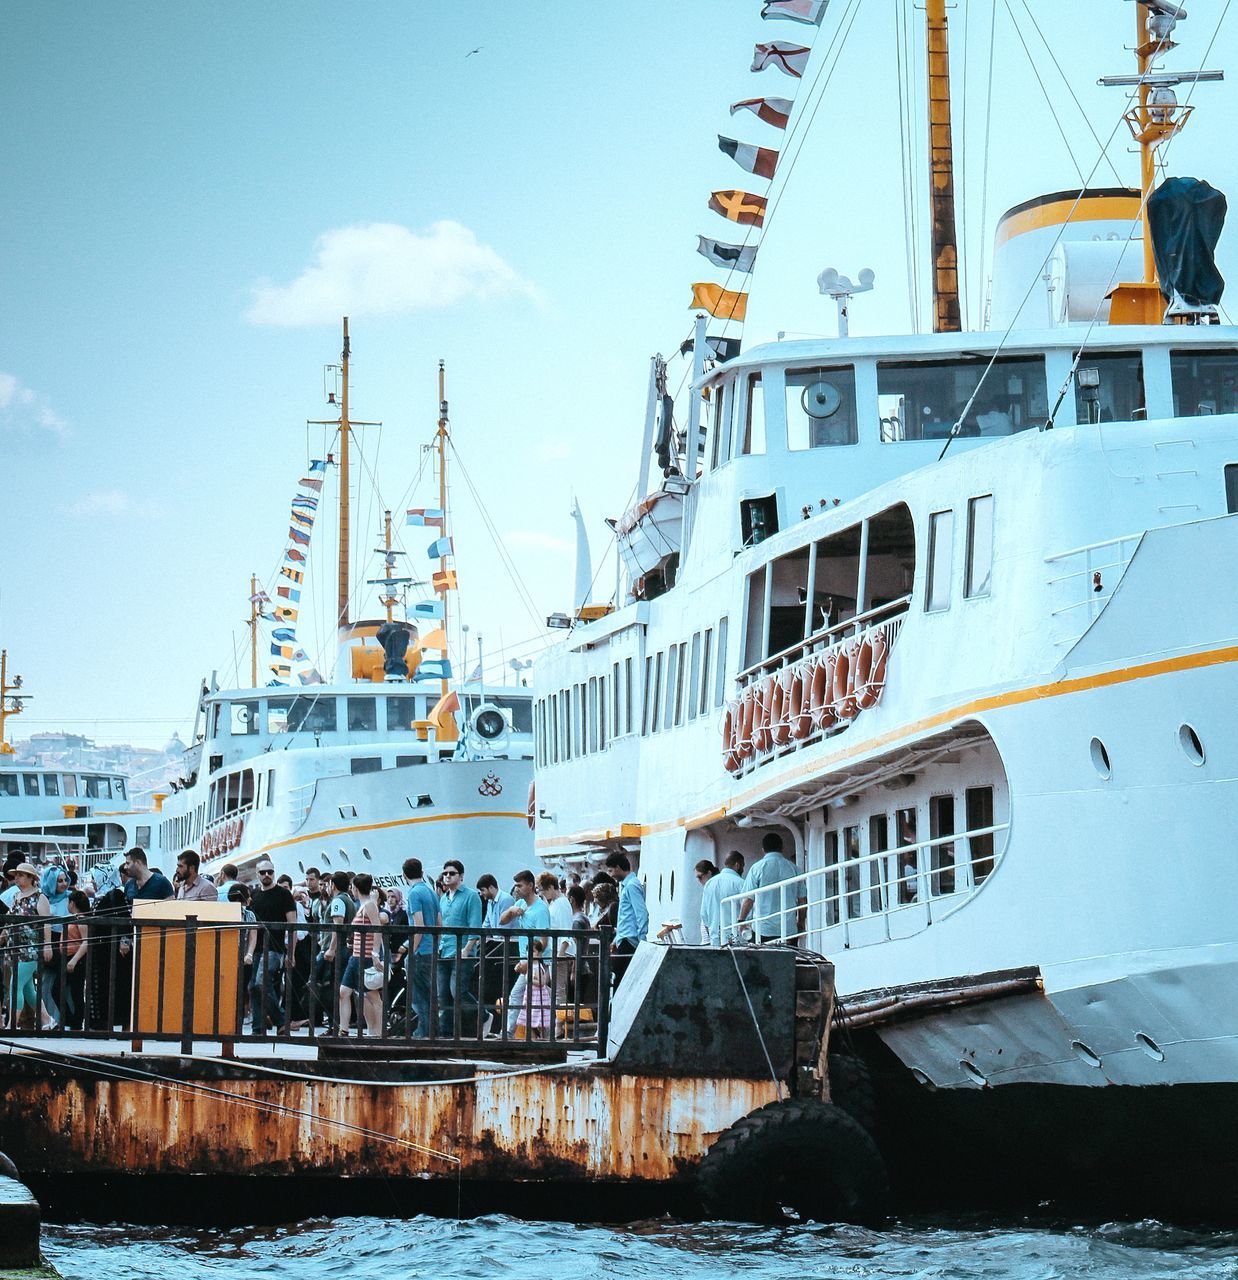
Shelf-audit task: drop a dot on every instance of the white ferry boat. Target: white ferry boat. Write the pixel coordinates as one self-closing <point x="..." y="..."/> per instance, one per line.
<point x="382" y="763"/>
<point x="950" y="613"/>
<point x="60" y="811"/>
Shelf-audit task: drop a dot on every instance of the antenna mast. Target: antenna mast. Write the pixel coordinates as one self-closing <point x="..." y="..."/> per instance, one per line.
<point x="946" y="315"/>
<point x="253" y="631"/>
<point x="9" y="706"/>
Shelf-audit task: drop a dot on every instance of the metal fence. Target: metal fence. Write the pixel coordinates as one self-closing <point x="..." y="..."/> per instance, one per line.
<point x="433" y="990"/>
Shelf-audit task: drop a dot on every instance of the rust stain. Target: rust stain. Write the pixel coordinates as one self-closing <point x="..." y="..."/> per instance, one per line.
<point x="585" y="1123"/>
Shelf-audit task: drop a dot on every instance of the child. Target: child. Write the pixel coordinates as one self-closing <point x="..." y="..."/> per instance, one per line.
<point x="528" y="1006"/>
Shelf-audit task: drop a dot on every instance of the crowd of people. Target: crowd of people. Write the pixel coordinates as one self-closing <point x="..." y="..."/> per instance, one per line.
<point x="400" y="958"/>
<point x="338" y="950"/>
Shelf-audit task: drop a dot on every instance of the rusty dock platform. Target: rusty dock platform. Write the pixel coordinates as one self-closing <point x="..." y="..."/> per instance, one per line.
<point x="705" y="1073"/>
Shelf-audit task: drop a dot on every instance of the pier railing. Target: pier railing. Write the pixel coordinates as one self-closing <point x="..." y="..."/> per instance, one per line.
<point x="439" y="991"/>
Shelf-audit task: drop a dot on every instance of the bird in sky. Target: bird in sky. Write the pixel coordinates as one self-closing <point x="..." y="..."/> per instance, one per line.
<point x="471" y="52"/>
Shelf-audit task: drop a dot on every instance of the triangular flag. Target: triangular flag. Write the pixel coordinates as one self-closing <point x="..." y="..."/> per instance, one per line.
<point x="306" y="482"/>
<point x="739" y="206"/>
<point x="720" y="302"/>
<point x="774" y="111"/>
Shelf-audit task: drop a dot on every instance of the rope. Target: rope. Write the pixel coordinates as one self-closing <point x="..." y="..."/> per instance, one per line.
<point x="773" y="1075"/>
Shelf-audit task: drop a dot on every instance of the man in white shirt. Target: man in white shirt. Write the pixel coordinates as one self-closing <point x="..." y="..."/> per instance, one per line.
<point x="718" y="916"/>
<point x="560" y="918"/>
<point x="777" y="914"/>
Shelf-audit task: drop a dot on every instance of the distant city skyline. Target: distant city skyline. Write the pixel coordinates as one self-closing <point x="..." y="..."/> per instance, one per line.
<point x="196" y="196"/>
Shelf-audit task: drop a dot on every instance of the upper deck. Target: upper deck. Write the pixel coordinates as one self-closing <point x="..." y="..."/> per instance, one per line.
<point x="796" y="427"/>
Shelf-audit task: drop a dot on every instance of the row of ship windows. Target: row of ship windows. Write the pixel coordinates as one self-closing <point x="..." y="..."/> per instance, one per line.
<point x="676" y="686"/>
<point x="310" y="713"/>
<point x="923" y="399"/>
<point x="93" y="786"/>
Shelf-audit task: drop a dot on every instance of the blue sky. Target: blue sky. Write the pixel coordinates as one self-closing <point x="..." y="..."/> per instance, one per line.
<point x="194" y="193"/>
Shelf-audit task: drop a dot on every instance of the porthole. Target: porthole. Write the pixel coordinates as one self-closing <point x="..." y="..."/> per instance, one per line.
<point x="1149" y="1046"/>
<point x="973" y="1072"/>
<point x="1084" y="1054"/>
<point x="1191" y="746"/>
<point x="326" y="858"/>
<point x="301" y="867"/>
<point x="366" y="854"/>
<point x="659" y="888"/>
<point x="672" y="885"/>
<point x="1100" y="759"/>
<point x="344" y="856"/>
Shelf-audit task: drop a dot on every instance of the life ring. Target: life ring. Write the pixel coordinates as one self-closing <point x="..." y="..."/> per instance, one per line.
<point x="762" y="738"/>
<point x="850" y="708"/>
<point x="240" y="831"/>
<point x="821" y="700"/>
<point x="802" y="1154"/>
<point x="842" y="674"/>
<point x="801" y="709"/>
<point x="747" y="715"/>
<point x="732" y="726"/>
<point x="877" y="650"/>
<point x="779" y="708"/>
<point x="206" y="845"/>
<point x="530" y="811"/>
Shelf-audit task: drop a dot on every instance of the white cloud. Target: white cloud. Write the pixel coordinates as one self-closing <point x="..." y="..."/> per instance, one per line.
<point x="383" y="269"/>
<point x="25" y="410"/>
<point x="103" y="502"/>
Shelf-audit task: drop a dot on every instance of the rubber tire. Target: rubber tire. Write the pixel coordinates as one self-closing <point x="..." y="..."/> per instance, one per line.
<point x="800" y="1154"/>
<point x="851" y="1087"/>
<point x="8" y="1169"/>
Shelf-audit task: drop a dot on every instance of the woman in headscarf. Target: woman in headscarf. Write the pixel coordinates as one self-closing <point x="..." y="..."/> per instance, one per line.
<point x="55" y="886"/>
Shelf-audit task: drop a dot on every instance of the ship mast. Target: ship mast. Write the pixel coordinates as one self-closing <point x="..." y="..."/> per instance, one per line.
<point x="9" y="706"/>
<point x="440" y="440"/>
<point x="345" y="424"/>
<point x="253" y="631"/>
<point x="946" y="315"/>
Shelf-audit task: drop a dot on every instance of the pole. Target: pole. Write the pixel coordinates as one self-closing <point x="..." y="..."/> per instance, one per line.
<point x="388" y="600"/>
<point x="441" y="438"/>
<point x="345" y="529"/>
<point x="946" y="315"/>
<point x="253" y="631"/>
<point x="1144" y="48"/>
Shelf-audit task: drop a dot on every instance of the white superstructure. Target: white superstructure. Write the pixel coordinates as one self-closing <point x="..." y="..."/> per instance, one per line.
<point x="1023" y="539"/>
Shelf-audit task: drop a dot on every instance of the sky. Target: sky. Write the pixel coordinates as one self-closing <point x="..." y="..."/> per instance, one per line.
<point x="196" y="193"/>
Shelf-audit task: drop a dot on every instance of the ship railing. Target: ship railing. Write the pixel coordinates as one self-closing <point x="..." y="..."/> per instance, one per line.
<point x="883" y="623"/>
<point x="859" y="901"/>
<point x="195" y="981"/>
<point x="1082" y="581"/>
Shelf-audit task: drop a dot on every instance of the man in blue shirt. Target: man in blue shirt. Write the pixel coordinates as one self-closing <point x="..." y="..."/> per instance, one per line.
<point x="460" y="908"/>
<point x="528" y="911"/>
<point x="494" y="901"/>
<point x="421" y="903"/>
<point x="779" y="911"/>
<point x="632" y="924"/>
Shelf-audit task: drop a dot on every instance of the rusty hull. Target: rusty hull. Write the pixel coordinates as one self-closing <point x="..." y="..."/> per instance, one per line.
<point x="582" y="1122"/>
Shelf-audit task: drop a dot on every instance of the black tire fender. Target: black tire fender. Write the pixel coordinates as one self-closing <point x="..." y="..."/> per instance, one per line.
<point x="851" y="1087"/>
<point x="800" y="1154"/>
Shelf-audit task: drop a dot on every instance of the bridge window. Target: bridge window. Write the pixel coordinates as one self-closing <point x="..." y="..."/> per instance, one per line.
<point x="98" y="788"/>
<point x="51" y="784"/>
<point x="1205" y="382"/>
<point x="118" y="788"/>
<point x="366" y="764"/>
<point x="754" y="416"/>
<point x="70" y="784"/>
<point x="922" y="400"/>
<point x="1109" y="387"/>
<point x="244" y="718"/>
<point x="30" y="783"/>
<point x="8" y="784"/>
<point x="978" y="573"/>
<point x="821" y="407"/>
<point x="401" y="712"/>
<point x="362" y="715"/>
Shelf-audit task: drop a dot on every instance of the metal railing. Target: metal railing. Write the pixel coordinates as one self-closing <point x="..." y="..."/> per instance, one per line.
<point x="833" y="899"/>
<point x="439" y="990"/>
<point x="1089" y="585"/>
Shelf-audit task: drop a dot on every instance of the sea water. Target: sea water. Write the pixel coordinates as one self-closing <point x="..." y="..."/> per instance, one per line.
<point x="510" y="1249"/>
